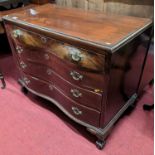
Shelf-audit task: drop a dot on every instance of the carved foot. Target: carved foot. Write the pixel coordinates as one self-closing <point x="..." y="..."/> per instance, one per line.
<point x="148" y="107"/>
<point x="151" y="82"/>
<point x="3" y="81"/>
<point x="100" y="144"/>
<point x="24" y="90"/>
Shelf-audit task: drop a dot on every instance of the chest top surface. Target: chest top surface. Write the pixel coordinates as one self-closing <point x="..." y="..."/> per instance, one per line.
<point x="106" y="31"/>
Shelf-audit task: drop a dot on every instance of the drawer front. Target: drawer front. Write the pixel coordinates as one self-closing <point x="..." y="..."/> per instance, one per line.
<point x="89" y="61"/>
<point x="70" y="72"/>
<point x="80" y="112"/>
<point x="80" y="95"/>
<point x="33" y="55"/>
<point x="28" y="39"/>
<point x="84" y="59"/>
<point x="41" y="71"/>
<point x="38" y="85"/>
<point x="76" y="110"/>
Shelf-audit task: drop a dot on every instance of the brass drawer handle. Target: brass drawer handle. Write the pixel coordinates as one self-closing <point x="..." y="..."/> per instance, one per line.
<point x="46" y="56"/>
<point x="44" y="40"/>
<point x="76" y="76"/>
<point x="76" y="93"/>
<point x="23" y="65"/>
<point x="76" y="111"/>
<point x="17" y="33"/>
<point x="76" y="57"/>
<point x="49" y="71"/>
<point x="19" y="49"/>
<point x="75" y="54"/>
<point x="26" y="80"/>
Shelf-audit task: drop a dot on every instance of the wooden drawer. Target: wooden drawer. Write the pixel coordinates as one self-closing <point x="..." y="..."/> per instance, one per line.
<point x="86" y="79"/>
<point x="38" y="85"/>
<point x="33" y="55"/>
<point x="80" y="95"/>
<point x="84" y="59"/>
<point x="28" y="39"/>
<point x="40" y="71"/>
<point x="85" y="114"/>
<point x="76" y="110"/>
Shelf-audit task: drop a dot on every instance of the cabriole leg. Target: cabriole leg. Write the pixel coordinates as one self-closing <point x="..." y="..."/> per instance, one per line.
<point x="101" y="141"/>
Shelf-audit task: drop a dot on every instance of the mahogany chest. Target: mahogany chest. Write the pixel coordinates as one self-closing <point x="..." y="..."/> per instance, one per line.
<point x="89" y="64"/>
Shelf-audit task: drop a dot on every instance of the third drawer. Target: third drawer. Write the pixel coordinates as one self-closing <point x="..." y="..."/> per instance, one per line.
<point x="78" y="94"/>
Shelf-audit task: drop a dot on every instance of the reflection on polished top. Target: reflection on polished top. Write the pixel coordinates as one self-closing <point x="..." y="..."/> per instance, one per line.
<point x="96" y="28"/>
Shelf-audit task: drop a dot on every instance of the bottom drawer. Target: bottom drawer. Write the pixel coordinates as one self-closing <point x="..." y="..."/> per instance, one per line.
<point x="85" y="114"/>
<point x="80" y="112"/>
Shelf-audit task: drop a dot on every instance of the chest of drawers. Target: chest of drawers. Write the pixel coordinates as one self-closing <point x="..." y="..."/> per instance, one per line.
<point x="87" y="63"/>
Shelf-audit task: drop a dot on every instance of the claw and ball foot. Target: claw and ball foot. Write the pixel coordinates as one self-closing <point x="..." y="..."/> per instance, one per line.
<point x="148" y="107"/>
<point x="24" y="90"/>
<point x="2" y="81"/>
<point x="100" y="144"/>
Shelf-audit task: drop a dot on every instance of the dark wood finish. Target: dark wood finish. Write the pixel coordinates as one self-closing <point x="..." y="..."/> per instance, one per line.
<point x="84" y="59"/>
<point x="80" y="95"/>
<point x="88" y="98"/>
<point x="90" y="80"/>
<point x="35" y="51"/>
<point x="91" y="116"/>
<point x="85" y="114"/>
<point x="91" y="62"/>
<point x="37" y="70"/>
<point x="38" y="85"/>
<point x="125" y="74"/>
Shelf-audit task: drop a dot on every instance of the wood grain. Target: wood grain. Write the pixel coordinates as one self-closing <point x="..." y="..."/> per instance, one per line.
<point x="87" y="115"/>
<point x="31" y="41"/>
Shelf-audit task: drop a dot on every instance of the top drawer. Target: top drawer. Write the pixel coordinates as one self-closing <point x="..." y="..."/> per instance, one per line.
<point x="90" y="61"/>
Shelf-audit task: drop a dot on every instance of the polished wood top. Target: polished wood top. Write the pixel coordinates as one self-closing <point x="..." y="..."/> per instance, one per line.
<point x="107" y="31"/>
